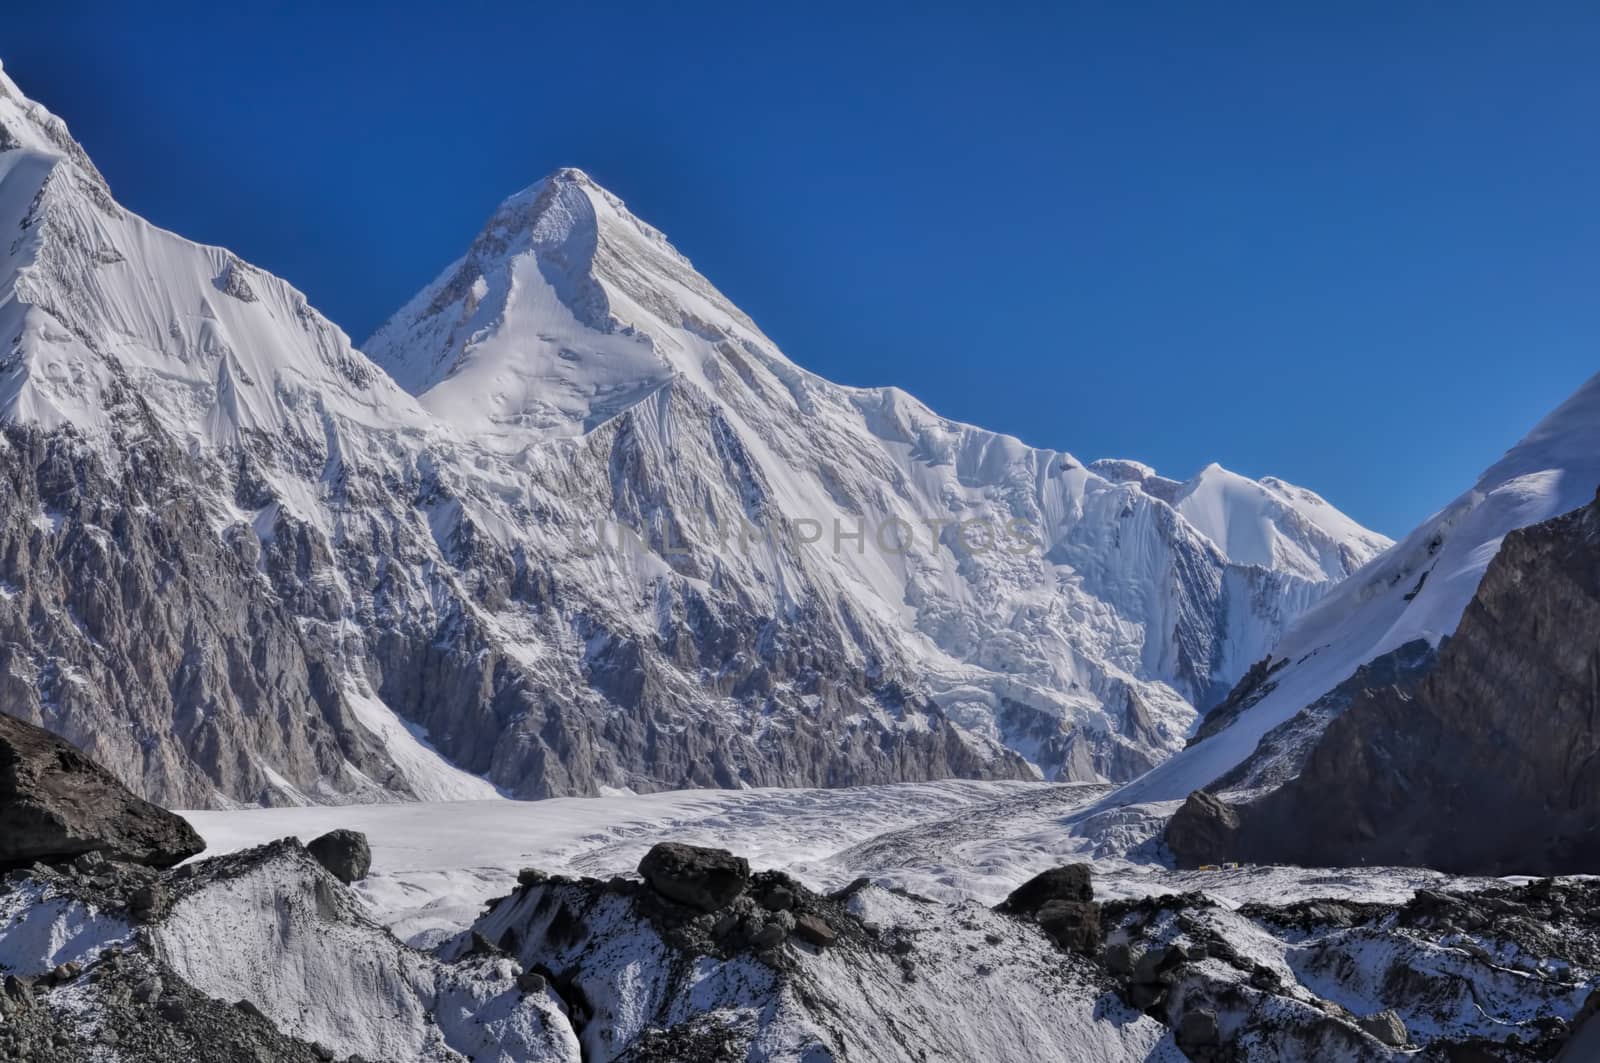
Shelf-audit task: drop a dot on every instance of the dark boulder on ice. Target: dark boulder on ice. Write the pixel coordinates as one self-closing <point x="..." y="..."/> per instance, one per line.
<point x="345" y="853"/>
<point x="707" y="879"/>
<point x="1386" y="1026"/>
<point x="1203" y="831"/>
<point x="57" y="804"/>
<point x="1061" y="901"/>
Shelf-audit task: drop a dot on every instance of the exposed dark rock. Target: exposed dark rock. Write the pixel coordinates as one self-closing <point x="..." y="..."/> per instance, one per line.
<point x="707" y="879"/>
<point x="1197" y="1029"/>
<point x="1491" y="765"/>
<point x="1255" y="684"/>
<point x="778" y="899"/>
<point x="1386" y="1026"/>
<point x="345" y="853"/>
<point x="146" y="901"/>
<point x="1070" y="882"/>
<point x="1282" y="752"/>
<point x="57" y="804"/>
<point x="1203" y="831"/>
<point x="1061" y="901"/>
<point x="812" y="928"/>
<point x="1073" y="925"/>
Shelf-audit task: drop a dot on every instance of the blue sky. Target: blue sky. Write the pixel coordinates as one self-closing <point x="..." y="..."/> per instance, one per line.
<point x="1352" y="245"/>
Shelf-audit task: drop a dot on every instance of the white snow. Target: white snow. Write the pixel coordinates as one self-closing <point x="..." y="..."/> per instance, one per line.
<point x="434" y="865"/>
<point x="37" y="934"/>
<point x="293" y="944"/>
<point x="430" y="776"/>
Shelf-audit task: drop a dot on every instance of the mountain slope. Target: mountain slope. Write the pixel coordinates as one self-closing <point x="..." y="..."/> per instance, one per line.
<point x="618" y="540"/>
<point x="1488" y="764"/>
<point x="1073" y="613"/>
<point x="1416" y="591"/>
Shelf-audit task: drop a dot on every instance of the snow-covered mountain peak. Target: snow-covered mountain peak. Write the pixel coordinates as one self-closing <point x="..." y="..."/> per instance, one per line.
<point x="1275" y="524"/>
<point x="27" y="124"/>
<point x="1268" y="522"/>
<point x="565" y="311"/>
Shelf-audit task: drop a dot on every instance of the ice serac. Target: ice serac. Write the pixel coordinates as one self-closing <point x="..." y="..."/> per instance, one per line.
<point x="615" y="540"/>
<point x="1074" y="614"/>
<point x="1378" y="628"/>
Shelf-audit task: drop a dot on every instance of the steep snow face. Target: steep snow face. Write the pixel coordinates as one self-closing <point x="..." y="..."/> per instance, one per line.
<point x="1074" y="614"/>
<point x="1418" y="590"/>
<point x="1275" y="525"/>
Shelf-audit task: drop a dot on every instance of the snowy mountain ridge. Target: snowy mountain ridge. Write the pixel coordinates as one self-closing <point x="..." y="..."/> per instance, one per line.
<point x="1416" y="591"/>
<point x="407" y="596"/>
<point x="568" y="311"/>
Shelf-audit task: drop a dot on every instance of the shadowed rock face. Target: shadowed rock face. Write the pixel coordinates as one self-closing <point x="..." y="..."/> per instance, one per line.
<point x="57" y="804"/>
<point x="1490" y="766"/>
<point x="1203" y="828"/>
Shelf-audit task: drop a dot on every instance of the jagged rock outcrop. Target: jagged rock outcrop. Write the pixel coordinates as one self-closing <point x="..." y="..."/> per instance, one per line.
<point x="865" y="975"/>
<point x="1490" y="765"/>
<point x="257" y="955"/>
<point x="56" y="804"/>
<point x="1487" y="974"/>
<point x="1281" y="753"/>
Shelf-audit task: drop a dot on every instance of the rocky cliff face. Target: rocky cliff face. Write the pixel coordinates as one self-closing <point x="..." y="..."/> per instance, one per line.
<point x="1490" y="765"/>
<point x="616" y="540"/>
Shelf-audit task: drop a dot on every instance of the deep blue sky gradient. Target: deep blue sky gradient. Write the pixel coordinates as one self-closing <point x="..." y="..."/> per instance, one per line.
<point x="1352" y="245"/>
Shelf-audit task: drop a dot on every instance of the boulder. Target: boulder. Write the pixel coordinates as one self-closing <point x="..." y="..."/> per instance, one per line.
<point x="58" y="804"/>
<point x="345" y="853"/>
<point x="811" y="928"/>
<point x="1203" y="831"/>
<point x="1073" y="925"/>
<point x="1386" y="1026"/>
<point x="1072" y="882"/>
<point x="707" y="879"/>
<point x="1061" y="901"/>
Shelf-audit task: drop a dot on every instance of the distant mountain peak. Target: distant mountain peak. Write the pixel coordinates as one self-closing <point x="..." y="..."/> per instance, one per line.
<point x="564" y="310"/>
